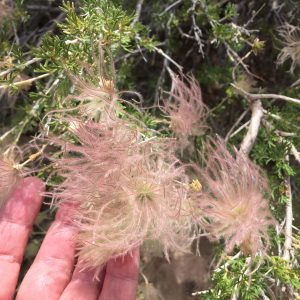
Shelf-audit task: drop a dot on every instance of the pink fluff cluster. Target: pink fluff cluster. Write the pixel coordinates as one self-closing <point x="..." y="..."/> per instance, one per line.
<point x="185" y="108"/>
<point x="232" y="204"/>
<point x="10" y="176"/>
<point x="126" y="190"/>
<point x="95" y="88"/>
<point x="96" y="98"/>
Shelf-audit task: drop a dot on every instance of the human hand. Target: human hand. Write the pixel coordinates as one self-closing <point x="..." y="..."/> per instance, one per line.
<point x="54" y="273"/>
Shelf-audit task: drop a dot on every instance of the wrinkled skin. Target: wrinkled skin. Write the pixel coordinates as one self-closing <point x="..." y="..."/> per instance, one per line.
<point x="54" y="273"/>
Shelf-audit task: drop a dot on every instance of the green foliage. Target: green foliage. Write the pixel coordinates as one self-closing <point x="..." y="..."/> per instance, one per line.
<point x="270" y="152"/>
<point x="102" y="21"/>
<point x="78" y="42"/>
<point x="231" y="277"/>
<point x="12" y="15"/>
<point x="281" y="270"/>
<point x="235" y="275"/>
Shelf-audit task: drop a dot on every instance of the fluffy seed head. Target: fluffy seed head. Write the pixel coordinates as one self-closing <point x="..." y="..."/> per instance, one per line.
<point x="9" y="176"/>
<point x="291" y="49"/>
<point x="96" y="98"/>
<point x="95" y="85"/>
<point x="233" y="204"/>
<point x="185" y="107"/>
<point x="6" y="10"/>
<point x="126" y="191"/>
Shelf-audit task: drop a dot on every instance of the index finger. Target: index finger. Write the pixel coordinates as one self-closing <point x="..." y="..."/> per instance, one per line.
<point x="16" y="220"/>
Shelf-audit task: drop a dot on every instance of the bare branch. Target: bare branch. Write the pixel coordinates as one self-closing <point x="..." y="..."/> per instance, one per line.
<point x="236" y="123"/>
<point x="238" y="60"/>
<point x="250" y="137"/>
<point x="160" y="81"/>
<point x="158" y="50"/>
<point x="197" y="31"/>
<point x="287" y="247"/>
<point x="25" y="82"/>
<point x="239" y="129"/>
<point x="295" y="153"/>
<point x="266" y="96"/>
<point x="138" y="11"/>
<point x="7" y="133"/>
<point x="31" y="61"/>
<point x="297" y="82"/>
<point x="254" y="15"/>
<point x="170" y="7"/>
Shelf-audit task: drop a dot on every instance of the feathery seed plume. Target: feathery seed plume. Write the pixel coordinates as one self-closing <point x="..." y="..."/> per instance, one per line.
<point x="9" y="176"/>
<point x="185" y="107"/>
<point x="291" y="49"/>
<point x="126" y="190"/>
<point x="232" y="203"/>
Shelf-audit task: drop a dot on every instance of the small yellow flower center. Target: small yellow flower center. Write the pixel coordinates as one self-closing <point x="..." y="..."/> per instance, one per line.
<point x="145" y="192"/>
<point x="238" y="211"/>
<point x="196" y="185"/>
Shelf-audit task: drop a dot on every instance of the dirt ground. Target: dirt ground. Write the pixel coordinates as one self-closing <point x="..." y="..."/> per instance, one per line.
<point x="177" y="279"/>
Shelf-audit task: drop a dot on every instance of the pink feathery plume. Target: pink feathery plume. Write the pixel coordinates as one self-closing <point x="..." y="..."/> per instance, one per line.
<point x="95" y="97"/>
<point x="9" y="177"/>
<point x="95" y="85"/>
<point x="233" y="203"/>
<point x="126" y="190"/>
<point x="185" y="107"/>
<point x="98" y="95"/>
<point x="291" y="50"/>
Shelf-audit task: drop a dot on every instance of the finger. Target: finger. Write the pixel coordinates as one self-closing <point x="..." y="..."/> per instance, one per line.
<point x="52" y="268"/>
<point x="121" y="277"/>
<point x="16" y="219"/>
<point x="83" y="285"/>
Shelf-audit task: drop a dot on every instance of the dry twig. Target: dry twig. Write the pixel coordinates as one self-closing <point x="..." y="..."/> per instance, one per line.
<point x="138" y="11"/>
<point x="266" y="96"/>
<point x="25" y="82"/>
<point x="250" y="137"/>
<point x="170" y="7"/>
<point x="287" y="247"/>
<point x="236" y="123"/>
<point x="160" y="51"/>
<point x="31" y="61"/>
